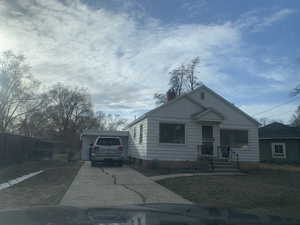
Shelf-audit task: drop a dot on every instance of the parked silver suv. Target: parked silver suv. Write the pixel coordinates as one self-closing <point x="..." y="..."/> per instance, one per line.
<point x="107" y="149"/>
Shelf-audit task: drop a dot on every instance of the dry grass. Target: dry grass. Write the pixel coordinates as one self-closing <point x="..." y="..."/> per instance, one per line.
<point x="46" y="188"/>
<point x="16" y="170"/>
<point x="265" y="192"/>
<point x="285" y="167"/>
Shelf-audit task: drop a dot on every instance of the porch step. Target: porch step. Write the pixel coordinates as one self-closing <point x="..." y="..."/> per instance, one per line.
<point x="224" y="167"/>
<point x="220" y="165"/>
<point x="226" y="170"/>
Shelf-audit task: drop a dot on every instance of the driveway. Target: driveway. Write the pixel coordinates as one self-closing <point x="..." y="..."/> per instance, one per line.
<point x="115" y="186"/>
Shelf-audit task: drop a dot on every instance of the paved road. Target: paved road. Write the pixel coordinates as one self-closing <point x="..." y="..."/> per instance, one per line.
<point x="115" y="186"/>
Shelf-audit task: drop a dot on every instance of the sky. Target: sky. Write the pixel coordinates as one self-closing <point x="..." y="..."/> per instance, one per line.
<point x="122" y="50"/>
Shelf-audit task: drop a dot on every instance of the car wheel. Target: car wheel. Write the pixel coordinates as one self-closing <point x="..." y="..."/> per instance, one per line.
<point x="120" y="163"/>
<point x="93" y="164"/>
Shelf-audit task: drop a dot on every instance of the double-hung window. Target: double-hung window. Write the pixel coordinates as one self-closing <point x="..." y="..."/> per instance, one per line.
<point x="278" y="150"/>
<point x="172" y="133"/>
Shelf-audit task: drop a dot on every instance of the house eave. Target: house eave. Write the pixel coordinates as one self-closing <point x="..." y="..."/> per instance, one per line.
<point x="164" y="105"/>
<point x="99" y="133"/>
<point x="230" y="104"/>
<point x="136" y="121"/>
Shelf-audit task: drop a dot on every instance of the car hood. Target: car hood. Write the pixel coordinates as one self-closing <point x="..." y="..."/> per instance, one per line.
<point x="146" y="214"/>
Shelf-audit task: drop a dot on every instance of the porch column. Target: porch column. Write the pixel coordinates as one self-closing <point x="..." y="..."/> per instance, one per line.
<point x="216" y="133"/>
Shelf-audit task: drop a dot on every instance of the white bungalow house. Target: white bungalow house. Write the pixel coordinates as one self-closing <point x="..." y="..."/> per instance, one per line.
<point x="199" y="123"/>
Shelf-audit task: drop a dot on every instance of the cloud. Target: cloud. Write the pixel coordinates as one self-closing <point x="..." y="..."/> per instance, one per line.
<point x="121" y="62"/>
<point x="258" y="20"/>
<point x="279" y="73"/>
<point x="194" y="7"/>
<point x="282" y="113"/>
<point x="268" y="21"/>
<point x="123" y="56"/>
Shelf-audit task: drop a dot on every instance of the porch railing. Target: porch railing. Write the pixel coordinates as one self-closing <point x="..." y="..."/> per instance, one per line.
<point x="223" y="152"/>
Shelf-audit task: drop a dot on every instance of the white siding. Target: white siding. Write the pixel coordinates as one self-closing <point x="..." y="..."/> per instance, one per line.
<point x="233" y="120"/>
<point x="232" y="116"/>
<point x="187" y="151"/>
<point x="180" y="111"/>
<point x="250" y="154"/>
<point x="182" y="108"/>
<point x="135" y="149"/>
<point x="210" y="116"/>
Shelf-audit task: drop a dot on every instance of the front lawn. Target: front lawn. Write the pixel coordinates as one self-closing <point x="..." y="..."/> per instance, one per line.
<point x="47" y="188"/>
<point x="265" y="192"/>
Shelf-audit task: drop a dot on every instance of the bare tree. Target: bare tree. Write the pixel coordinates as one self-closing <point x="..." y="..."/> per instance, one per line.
<point x="191" y="78"/>
<point x="182" y="80"/>
<point x="17" y="90"/>
<point x="64" y="113"/>
<point x="160" y="98"/>
<point x="295" y="91"/>
<point x="34" y="124"/>
<point x="178" y="79"/>
<point x="110" y="122"/>
<point x="264" y="121"/>
<point x="295" y="121"/>
<point x="68" y="109"/>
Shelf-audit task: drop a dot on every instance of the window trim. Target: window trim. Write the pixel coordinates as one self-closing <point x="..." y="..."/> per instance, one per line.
<point x="134" y="133"/>
<point x="141" y="134"/>
<point x="273" y="150"/>
<point x="173" y="122"/>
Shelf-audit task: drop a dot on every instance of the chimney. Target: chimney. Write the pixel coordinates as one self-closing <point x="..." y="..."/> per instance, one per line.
<point x="171" y="94"/>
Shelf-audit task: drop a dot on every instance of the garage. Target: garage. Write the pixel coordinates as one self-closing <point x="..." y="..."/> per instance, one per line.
<point x="88" y="138"/>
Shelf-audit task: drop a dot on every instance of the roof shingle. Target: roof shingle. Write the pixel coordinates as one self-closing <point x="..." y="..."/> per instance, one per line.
<point x="278" y="130"/>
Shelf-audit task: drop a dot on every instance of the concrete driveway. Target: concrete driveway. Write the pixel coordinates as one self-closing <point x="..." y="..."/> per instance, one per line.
<point x="115" y="186"/>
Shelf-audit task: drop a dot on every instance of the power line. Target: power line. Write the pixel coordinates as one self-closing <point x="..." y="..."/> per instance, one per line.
<point x="278" y="113"/>
<point x="274" y="107"/>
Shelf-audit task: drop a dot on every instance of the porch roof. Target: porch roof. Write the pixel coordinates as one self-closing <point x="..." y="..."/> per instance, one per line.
<point x="208" y="115"/>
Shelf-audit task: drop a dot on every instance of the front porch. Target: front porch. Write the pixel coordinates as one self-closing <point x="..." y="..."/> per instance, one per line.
<point x="222" y="160"/>
<point x="218" y="144"/>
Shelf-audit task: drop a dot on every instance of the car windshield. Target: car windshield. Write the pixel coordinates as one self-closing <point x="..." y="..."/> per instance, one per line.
<point x="108" y="141"/>
<point x="124" y="102"/>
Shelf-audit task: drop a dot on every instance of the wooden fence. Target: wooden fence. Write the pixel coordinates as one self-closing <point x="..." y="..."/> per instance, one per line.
<point x="17" y="148"/>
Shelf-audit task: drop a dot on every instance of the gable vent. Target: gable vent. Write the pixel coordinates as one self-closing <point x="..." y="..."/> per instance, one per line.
<point x="202" y="95"/>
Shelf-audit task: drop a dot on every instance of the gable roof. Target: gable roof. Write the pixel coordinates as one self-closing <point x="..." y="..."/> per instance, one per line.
<point x="229" y="104"/>
<point x="278" y="130"/>
<point x="187" y="96"/>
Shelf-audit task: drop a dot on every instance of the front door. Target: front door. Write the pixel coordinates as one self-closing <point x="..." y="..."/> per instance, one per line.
<point x="207" y="148"/>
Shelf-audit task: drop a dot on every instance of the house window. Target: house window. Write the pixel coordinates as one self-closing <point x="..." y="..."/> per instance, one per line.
<point x="172" y="133"/>
<point x="134" y="133"/>
<point x="141" y="134"/>
<point x="278" y="150"/>
<point x="234" y="138"/>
